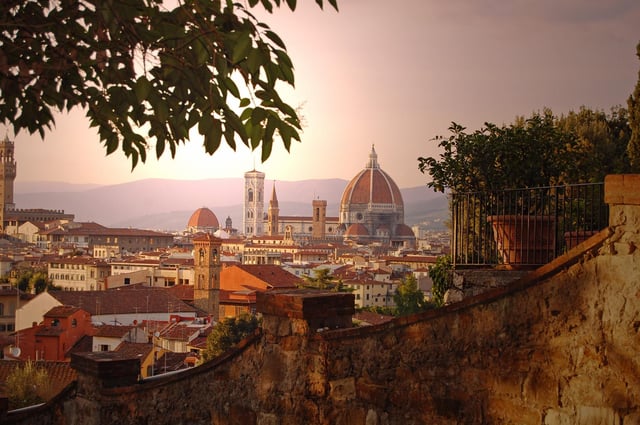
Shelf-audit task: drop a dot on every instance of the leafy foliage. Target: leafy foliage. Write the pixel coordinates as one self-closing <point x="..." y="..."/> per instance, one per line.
<point x="409" y="298"/>
<point x="633" y="103"/>
<point x="27" y="385"/>
<point x="148" y="71"/>
<point x="38" y="281"/>
<point x="228" y="333"/>
<point x="440" y="274"/>
<point x="538" y="151"/>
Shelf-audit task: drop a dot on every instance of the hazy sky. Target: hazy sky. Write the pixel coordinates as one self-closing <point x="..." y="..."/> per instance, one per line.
<point x="393" y="74"/>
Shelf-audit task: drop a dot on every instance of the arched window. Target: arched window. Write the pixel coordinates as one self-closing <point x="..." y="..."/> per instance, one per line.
<point x="250" y="195"/>
<point x="1" y="309"/>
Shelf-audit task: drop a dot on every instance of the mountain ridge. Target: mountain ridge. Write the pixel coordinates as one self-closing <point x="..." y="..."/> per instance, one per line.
<point x="167" y="204"/>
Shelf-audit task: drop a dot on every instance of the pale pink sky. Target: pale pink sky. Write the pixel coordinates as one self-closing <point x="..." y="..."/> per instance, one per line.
<point x="393" y="74"/>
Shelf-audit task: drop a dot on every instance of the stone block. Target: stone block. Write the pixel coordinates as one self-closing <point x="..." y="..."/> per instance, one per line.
<point x="622" y="189"/>
<point x="343" y="389"/>
<point x="594" y="415"/>
<point x="108" y="369"/>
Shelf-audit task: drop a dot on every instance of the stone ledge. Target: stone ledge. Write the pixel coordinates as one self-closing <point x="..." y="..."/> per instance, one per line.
<point x="622" y="189"/>
<point x="110" y="368"/>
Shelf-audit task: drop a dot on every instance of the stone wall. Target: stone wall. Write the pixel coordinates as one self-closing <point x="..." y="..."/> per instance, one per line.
<point x="559" y="346"/>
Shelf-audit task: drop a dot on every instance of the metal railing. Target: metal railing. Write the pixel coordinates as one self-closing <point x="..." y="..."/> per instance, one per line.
<point x="524" y="227"/>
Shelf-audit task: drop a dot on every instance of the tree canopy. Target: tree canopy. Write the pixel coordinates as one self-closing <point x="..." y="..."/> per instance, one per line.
<point x="147" y="72"/>
<point x="540" y="150"/>
<point x="408" y="297"/>
<point x="228" y="333"/>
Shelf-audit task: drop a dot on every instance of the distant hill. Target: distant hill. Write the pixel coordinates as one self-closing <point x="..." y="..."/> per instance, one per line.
<point x="167" y="204"/>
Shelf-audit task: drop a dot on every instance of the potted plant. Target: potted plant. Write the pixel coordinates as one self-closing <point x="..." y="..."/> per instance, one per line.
<point x="536" y="152"/>
<point x="504" y="162"/>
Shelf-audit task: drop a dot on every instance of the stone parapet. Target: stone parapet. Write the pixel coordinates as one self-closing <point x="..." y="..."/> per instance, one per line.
<point x="106" y="369"/>
<point x="320" y="310"/>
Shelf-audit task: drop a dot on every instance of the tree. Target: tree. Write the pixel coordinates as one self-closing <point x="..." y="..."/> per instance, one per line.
<point x="409" y="298"/>
<point x="147" y="71"/>
<point x="530" y="152"/>
<point x="321" y="279"/>
<point x="228" y="333"/>
<point x="633" y="103"/>
<point x="440" y="274"/>
<point x="27" y="385"/>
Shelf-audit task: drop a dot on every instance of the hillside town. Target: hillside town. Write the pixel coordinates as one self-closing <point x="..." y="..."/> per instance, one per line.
<point x="72" y="287"/>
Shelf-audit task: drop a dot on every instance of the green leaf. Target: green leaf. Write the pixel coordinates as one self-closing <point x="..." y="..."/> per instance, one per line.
<point x="244" y="102"/>
<point x="241" y="48"/>
<point x="142" y="88"/>
<point x="275" y="38"/>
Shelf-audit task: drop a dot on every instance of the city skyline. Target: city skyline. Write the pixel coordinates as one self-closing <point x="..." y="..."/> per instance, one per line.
<point x="393" y="77"/>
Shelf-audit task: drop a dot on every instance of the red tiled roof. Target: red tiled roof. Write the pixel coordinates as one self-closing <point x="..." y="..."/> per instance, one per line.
<point x="61" y="311"/>
<point x="273" y="275"/>
<point x="123" y="300"/>
<point x="112" y="331"/>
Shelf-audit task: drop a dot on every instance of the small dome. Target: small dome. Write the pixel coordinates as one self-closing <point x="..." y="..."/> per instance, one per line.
<point x="356" y="229"/>
<point x="203" y="218"/>
<point x="404" y="230"/>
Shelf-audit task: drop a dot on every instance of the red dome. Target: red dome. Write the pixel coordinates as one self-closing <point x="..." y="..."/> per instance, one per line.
<point x="356" y="230"/>
<point x="372" y="186"/>
<point x="404" y="230"/>
<point x="203" y="217"/>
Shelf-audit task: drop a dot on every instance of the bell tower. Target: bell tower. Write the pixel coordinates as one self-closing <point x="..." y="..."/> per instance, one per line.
<point x="273" y="214"/>
<point x="253" y="206"/>
<point x="319" y="219"/>
<point x="206" y="291"/>
<point x="7" y="177"/>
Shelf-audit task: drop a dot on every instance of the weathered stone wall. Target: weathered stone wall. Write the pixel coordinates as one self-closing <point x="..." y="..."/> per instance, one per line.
<point x="560" y="346"/>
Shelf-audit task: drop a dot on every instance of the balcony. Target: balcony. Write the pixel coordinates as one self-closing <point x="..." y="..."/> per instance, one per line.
<point x="524" y="228"/>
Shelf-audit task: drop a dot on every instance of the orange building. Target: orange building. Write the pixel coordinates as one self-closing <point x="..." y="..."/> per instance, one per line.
<point x="240" y="283"/>
<point x="61" y="328"/>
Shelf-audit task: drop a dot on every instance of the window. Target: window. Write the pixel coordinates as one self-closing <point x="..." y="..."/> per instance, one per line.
<point x="250" y="195"/>
<point x="127" y="280"/>
<point x="74" y="323"/>
<point x="104" y="347"/>
<point x="1" y="309"/>
<point x="55" y="322"/>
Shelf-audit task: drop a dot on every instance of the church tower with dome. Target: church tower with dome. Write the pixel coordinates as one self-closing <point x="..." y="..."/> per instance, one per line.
<point x="372" y="209"/>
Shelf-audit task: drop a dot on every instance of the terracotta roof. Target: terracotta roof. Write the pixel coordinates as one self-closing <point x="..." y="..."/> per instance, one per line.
<point x="203" y="217"/>
<point x="123" y="300"/>
<point x="134" y="349"/>
<point x="112" y="331"/>
<point x="61" y="311"/>
<point x="183" y="292"/>
<point x="370" y="318"/>
<point x="273" y="275"/>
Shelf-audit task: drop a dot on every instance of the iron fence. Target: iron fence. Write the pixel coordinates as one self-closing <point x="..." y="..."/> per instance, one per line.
<point x="524" y="227"/>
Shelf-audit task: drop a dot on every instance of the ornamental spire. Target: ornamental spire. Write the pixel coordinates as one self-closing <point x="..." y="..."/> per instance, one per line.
<point x="373" y="158"/>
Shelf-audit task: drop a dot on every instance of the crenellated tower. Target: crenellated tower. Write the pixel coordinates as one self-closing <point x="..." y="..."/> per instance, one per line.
<point x="8" y="171"/>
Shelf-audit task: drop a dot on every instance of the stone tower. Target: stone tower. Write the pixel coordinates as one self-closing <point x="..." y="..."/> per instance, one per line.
<point x="273" y="213"/>
<point x="206" y="270"/>
<point x="8" y="170"/>
<point x="253" y="206"/>
<point x="319" y="219"/>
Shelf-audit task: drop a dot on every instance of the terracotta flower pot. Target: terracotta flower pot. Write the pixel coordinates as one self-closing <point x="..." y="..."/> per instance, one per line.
<point x="524" y="240"/>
